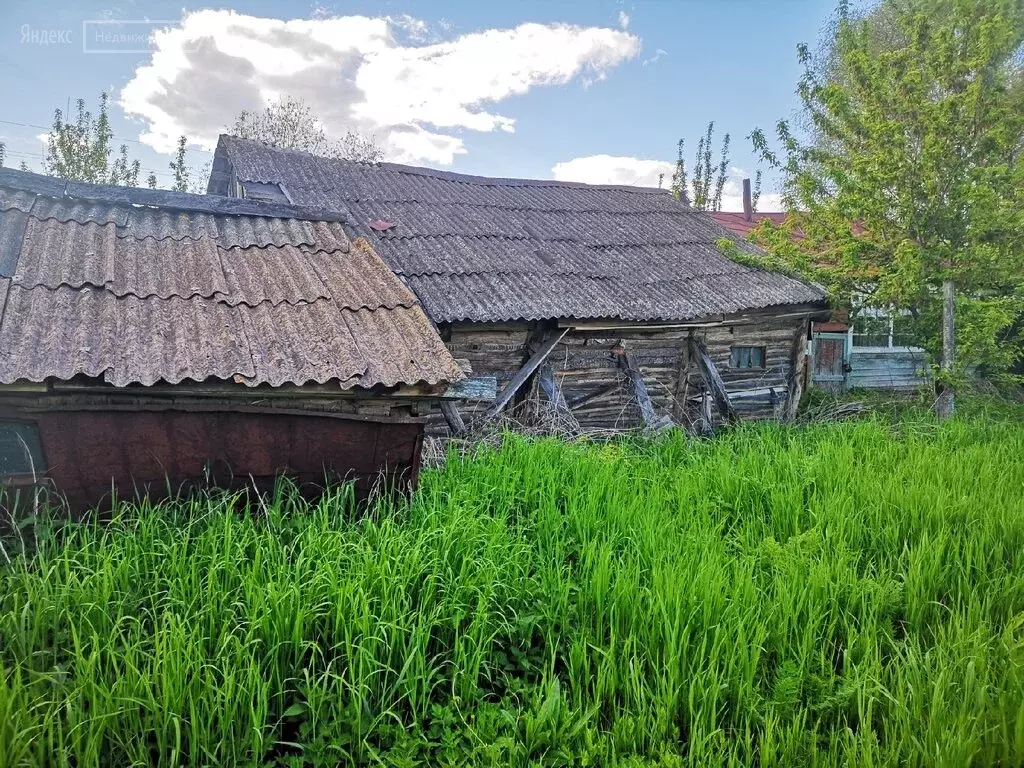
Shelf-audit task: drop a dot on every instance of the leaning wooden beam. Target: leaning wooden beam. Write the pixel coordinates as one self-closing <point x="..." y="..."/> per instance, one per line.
<point x="713" y="380"/>
<point x="549" y="386"/>
<point x="453" y="417"/>
<point x="639" y="390"/>
<point x="524" y="374"/>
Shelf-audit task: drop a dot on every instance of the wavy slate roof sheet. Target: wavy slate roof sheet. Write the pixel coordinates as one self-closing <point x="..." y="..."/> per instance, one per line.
<point x="187" y="287"/>
<point x="475" y="248"/>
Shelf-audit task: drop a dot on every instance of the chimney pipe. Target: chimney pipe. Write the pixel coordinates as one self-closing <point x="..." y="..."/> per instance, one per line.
<point x="748" y="206"/>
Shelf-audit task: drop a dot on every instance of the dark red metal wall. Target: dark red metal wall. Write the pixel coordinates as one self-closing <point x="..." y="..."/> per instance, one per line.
<point x="89" y="452"/>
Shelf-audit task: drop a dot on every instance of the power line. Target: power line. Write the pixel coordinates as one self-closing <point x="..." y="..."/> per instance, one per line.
<point x="50" y="127"/>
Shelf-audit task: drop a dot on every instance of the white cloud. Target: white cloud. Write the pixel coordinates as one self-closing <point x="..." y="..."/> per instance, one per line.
<point x="609" y="169"/>
<point x="623" y="20"/>
<point x="356" y="73"/>
<point x="638" y="172"/>
<point x="658" y="55"/>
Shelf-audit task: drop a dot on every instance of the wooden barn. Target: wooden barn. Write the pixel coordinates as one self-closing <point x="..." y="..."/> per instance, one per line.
<point x="614" y="303"/>
<point x="154" y="339"/>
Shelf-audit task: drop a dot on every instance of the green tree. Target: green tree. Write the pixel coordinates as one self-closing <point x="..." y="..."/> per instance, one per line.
<point x="909" y="188"/>
<point x="708" y="177"/>
<point x="80" y="149"/>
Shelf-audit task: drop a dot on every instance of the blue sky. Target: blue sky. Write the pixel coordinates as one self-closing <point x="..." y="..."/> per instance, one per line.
<point x="591" y="91"/>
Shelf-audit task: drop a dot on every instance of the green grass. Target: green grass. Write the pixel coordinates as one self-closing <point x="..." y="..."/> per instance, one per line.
<point x="847" y="594"/>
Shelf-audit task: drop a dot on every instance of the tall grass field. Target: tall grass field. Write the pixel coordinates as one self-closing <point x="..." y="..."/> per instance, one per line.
<point x="836" y="595"/>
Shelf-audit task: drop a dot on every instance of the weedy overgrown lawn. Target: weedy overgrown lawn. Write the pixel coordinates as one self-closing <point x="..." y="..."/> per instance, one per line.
<point x="846" y="594"/>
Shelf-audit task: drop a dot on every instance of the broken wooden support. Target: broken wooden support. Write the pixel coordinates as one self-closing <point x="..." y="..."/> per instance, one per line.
<point x="453" y="417"/>
<point x="524" y="374"/>
<point x="713" y="380"/>
<point x="639" y="389"/>
<point x="549" y="386"/>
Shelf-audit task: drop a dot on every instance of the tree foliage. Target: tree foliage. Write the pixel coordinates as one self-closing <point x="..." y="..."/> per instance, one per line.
<point x="80" y="148"/>
<point x="179" y="167"/>
<point x="908" y="173"/>
<point x="290" y="123"/>
<point x="708" y="177"/>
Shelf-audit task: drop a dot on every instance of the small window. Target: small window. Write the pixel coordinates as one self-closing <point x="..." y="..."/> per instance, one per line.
<point x="747" y="357"/>
<point x="20" y="450"/>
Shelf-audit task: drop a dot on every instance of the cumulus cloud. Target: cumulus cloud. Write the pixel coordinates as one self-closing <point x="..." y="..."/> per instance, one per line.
<point x="611" y="169"/>
<point x="370" y="74"/>
<point x="638" y="172"/>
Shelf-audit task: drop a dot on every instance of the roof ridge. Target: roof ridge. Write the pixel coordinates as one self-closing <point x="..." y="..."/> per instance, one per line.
<point x="451" y="176"/>
<point x="128" y="197"/>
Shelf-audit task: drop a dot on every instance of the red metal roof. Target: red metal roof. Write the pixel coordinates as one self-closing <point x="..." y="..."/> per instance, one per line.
<point x="737" y="223"/>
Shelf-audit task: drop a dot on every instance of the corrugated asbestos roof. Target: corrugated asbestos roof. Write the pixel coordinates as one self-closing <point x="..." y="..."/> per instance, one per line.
<point x="143" y="292"/>
<point x="475" y="248"/>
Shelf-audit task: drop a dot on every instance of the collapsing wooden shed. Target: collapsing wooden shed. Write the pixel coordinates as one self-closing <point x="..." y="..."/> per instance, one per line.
<point x="150" y="340"/>
<point x="615" y="302"/>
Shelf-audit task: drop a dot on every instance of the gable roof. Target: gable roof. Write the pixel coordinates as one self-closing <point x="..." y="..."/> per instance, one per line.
<point x="139" y="286"/>
<point x="484" y="249"/>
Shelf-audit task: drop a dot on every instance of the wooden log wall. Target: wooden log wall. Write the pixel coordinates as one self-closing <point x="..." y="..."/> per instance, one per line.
<point x="597" y="389"/>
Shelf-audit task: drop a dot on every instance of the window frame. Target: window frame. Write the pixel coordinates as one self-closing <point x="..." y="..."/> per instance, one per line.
<point x="764" y="357"/>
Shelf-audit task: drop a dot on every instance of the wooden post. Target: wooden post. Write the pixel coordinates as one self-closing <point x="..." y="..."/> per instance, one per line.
<point x="682" y="384"/>
<point x="714" y="382"/>
<point x="453" y="417"/>
<point x="524" y="374"/>
<point x="798" y="361"/>
<point x="639" y="389"/>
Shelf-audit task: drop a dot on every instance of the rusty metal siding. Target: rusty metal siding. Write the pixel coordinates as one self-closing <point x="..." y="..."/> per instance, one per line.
<point x="88" y="453"/>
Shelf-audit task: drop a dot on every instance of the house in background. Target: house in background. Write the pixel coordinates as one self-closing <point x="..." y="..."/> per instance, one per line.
<point x="150" y="340"/>
<point x="871" y="351"/>
<point x="613" y="303"/>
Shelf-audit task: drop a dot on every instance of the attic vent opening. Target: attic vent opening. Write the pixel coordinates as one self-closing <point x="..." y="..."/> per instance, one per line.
<point x="264" y="192"/>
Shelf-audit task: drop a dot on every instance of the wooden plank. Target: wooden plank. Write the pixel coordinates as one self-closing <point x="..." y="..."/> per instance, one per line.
<point x="639" y="390"/>
<point x="473" y="388"/>
<point x="524" y="374"/>
<point x="714" y="382"/>
<point x="549" y="386"/>
<point x="452" y="416"/>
